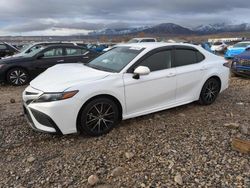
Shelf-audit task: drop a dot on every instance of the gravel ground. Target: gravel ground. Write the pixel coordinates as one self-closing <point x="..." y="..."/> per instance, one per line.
<point x="188" y="146"/>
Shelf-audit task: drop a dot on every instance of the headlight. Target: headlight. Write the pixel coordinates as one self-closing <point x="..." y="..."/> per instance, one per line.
<point x="50" y="97"/>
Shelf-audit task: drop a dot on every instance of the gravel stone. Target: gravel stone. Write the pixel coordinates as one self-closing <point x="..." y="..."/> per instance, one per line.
<point x="117" y="171"/>
<point x="31" y="159"/>
<point x="178" y="179"/>
<point x="93" y="180"/>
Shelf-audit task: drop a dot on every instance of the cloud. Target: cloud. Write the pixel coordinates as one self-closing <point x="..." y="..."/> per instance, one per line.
<point x="36" y="16"/>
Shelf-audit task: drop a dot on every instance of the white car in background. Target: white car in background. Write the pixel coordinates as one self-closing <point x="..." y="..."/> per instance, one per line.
<point x="128" y="81"/>
<point x="139" y="40"/>
<point x="218" y="47"/>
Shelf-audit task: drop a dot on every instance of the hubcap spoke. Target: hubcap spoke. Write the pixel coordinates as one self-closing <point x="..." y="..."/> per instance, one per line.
<point x="100" y="117"/>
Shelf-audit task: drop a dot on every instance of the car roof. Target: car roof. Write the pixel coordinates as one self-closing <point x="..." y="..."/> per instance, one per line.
<point x="152" y="45"/>
<point x="64" y="45"/>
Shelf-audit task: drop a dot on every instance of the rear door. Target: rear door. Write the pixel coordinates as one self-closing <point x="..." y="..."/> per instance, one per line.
<point x="76" y="54"/>
<point x="189" y="73"/>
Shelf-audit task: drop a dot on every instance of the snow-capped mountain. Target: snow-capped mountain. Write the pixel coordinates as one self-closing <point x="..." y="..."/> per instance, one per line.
<point x="221" y="27"/>
<point x="171" y="28"/>
<point x="121" y="31"/>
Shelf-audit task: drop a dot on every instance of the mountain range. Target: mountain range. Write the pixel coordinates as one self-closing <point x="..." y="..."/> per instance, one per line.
<point x="174" y="29"/>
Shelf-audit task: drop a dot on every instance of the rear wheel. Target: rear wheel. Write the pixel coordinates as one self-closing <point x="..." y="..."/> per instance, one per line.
<point x="210" y="91"/>
<point x="17" y="77"/>
<point x="99" y="117"/>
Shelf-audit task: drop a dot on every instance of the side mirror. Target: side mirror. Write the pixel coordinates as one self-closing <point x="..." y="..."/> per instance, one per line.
<point x="39" y="56"/>
<point x="141" y="70"/>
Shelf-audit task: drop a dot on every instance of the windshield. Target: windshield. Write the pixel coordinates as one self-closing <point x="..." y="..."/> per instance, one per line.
<point x="243" y="45"/>
<point x="115" y="59"/>
<point x="25" y="47"/>
<point x="32" y="53"/>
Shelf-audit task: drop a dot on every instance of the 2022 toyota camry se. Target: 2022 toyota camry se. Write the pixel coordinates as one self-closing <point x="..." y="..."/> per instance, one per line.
<point x="128" y="81"/>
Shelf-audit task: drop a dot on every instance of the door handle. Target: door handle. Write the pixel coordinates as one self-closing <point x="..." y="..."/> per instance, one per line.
<point x="60" y="61"/>
<point x="171" y="75"/>
<point x="85" y="57"/>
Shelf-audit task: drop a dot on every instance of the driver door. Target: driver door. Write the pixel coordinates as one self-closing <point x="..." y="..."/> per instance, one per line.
<point x="51" y="57"/>
<point x="154" y="91"/>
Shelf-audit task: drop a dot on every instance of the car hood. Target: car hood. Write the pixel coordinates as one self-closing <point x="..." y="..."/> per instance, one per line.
<point x="12" y="59"/>
<point x="236" y="49"/>
<point x="60" y="77"/>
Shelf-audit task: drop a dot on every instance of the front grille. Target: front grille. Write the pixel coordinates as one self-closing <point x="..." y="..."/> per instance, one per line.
<point x="245" y="62"/>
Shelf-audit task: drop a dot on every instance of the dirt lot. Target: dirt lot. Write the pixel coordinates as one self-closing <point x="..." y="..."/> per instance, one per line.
<point x="189" y="146"/>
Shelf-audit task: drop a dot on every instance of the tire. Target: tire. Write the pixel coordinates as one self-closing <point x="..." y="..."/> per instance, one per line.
<point x="17" y="77"/>
<point x="209" y="92"/>
<point x="93" y="120"/>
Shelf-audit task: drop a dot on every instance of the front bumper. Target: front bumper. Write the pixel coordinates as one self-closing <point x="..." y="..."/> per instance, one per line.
<point x="40" y="121"/>
<point x="52" y="117"/>
<point x="241" y="70"/>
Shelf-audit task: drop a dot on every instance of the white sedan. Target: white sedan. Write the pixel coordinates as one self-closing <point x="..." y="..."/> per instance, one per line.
<point x="128" y="81"/>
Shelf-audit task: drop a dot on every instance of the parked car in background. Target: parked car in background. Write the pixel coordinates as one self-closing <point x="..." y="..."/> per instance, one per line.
<point x="7" y="50"/>
<point x="219" y="47"/>
<point x="97" y="47"/>
<point x="237" y="49"/>
<point x="34" y="46"/>
<point x="128" y="81"/>
<point x="139" y="40"/>
<point x="20" y="70"/>
<point x="206" y="46"/>
<point x="241" y="63"/>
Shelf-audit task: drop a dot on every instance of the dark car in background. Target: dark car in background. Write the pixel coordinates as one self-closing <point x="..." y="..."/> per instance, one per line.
<point x="7" y="49"/>
<point x="241" y="64"/>
<point x="19" y="70"/>
<point x="33" y="46"/>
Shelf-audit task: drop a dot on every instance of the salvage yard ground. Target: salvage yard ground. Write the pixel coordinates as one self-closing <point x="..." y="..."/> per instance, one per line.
<point x="189" y="145"/>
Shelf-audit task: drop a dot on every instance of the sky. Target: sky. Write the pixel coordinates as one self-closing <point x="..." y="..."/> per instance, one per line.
<point x="68" y="17"/>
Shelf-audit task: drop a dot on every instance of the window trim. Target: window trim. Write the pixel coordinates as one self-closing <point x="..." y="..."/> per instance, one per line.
<point x="147" y="55"/>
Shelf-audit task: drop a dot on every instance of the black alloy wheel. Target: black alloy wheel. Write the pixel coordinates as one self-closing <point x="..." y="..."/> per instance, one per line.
<point x="99" y="117"/>
<point x="17" y="77"/>
<point x="210" y="91"/>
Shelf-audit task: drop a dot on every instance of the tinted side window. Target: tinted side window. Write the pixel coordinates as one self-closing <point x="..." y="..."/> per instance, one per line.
<point x="184" y="57"/>
<point x="54" y="52"/>
<point x="74" y="51"/>
<point x="158" y="61"/>
<point x="148" y="40"/>
<point x="2" y="47"/>
<point x="200" y="56"/>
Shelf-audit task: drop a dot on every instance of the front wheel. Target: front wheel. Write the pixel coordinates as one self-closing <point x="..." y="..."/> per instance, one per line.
<point x="99" y="117"/>
<point x="210" y="91"/>
<point x="17" y="77"/>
